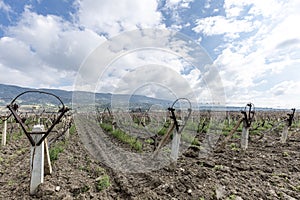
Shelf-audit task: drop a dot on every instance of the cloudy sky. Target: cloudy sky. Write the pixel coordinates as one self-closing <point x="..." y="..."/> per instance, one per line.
<point x="255" y="45"/>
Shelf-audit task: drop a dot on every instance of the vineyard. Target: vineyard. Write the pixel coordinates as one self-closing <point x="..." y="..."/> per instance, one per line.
<point x="245" y="154"/>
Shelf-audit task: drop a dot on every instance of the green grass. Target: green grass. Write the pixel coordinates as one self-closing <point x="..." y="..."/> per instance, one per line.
<point x="132" y="141"/>
<point x="234" y="147"/>
<point x="18" y="135"/>
<point x="56" y="150"/>
<point x="149" y="141"/>
<point x="123" y="137"/>
<point x="14" y="136"/>
<point x="106" y="127"/>
<point x="218" y="167"/>
<point x="72" y="129"/>
<point x="231" y="197"/>
<point x="103" y="183"/>
<point x="165" y="128"/>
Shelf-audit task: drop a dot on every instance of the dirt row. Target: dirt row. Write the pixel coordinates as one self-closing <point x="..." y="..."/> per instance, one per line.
<point x="267" y="170"/>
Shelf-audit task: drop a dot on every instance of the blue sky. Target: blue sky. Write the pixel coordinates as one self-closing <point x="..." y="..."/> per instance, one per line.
<point x="254" y="44"/>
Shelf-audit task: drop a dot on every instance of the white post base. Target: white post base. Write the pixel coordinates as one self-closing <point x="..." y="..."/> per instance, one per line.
<point x="244" y="138"/>
<point x="37" y="161"/>
<point x="284" y="134"/>
<point x="175" y="146"/>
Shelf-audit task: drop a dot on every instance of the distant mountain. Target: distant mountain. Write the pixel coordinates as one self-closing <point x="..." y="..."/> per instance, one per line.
<point x="9" y="92"/>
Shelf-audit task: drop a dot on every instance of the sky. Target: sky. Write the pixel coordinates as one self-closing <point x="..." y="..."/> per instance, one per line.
<point x="254" y="46"/>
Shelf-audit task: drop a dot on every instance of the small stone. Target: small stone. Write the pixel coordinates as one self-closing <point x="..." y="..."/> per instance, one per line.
<point x="220" y="191"/>
<point x="238" y="198"/>
<point x="181" y="169"/>
<point x="67" y="197"/>
<point x="189" y="191"/>
<point x="57" y="188"/>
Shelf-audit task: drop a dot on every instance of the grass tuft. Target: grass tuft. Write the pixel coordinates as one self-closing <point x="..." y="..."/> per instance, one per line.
<point x="56" y="150"/>
<point x="102" y="183"/>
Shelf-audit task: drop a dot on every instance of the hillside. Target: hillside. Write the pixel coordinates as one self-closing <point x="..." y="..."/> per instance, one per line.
<point x="8" y="92"/>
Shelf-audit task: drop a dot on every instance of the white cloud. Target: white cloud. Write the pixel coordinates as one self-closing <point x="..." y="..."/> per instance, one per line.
<point x="156" y="66"/>
<point x="5" y="7"/>
<point x="112" y="16"/>
<point x="173" y="8"/>
<point x="261" y="39"/>
<point x="55" y="41"/>
<point x="219" y="25"/>
<point x="46" y="49"/>
<point x="158" y="59"/>
<point x="286" y="93"/>
<point x="177" y="4"/>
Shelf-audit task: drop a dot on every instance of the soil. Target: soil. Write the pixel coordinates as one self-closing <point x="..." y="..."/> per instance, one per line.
<point x="266" y="170"/>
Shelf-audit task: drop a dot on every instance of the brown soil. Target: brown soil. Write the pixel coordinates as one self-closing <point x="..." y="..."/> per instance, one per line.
<point x="267" y="170"/>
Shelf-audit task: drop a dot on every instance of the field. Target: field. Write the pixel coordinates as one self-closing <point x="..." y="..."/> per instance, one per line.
<point x="267" y="169"/>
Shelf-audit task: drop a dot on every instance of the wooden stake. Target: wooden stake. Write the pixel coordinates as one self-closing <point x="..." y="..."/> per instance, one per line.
<point x="3" y="141"/>
<point x="164" y="139"/>
<point x="229" y="136"/>
<point x="47" y="161"/>
<point x="67" y="134"/>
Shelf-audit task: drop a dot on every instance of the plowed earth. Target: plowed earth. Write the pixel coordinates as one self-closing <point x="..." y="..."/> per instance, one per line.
<point x="267" y="170"/>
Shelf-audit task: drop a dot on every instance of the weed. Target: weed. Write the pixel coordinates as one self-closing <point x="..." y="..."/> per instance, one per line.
<point x="72" y="129"/>
<point x="189" y="138"/>
<point x="285" y="154"/>
<point x="10" y="183"/>
<point x="84" y="189"/>
<point x="149" y="141"/>
<point x="195" y="142"/>
<point x="123" y="137"/>
<point x="218" y="167"/>
<point x="57" y="149"/>
<point x="102" y="183"/>
<point x="236" y="136"/>
<point x="231" y="197"/>
<point x="83" y="168"/>
<point x="106" y="127"/>
<point x="233" y="147"/>
<point x="17" y="136"/>
<point x="99" y="171"/>
<point x="80" y="190"/>
<point x="164" y="130"/>
<point x="132" y="141"/>
<point x="21" y="151"/>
